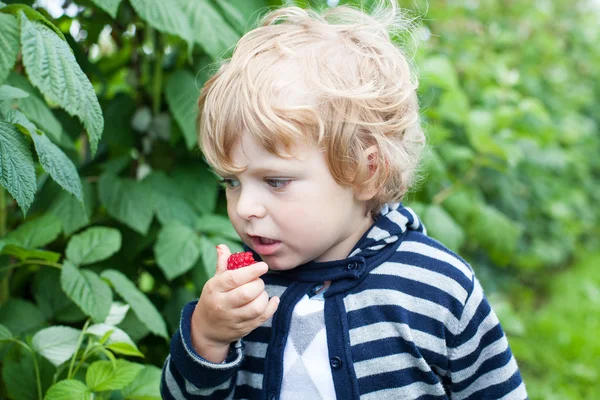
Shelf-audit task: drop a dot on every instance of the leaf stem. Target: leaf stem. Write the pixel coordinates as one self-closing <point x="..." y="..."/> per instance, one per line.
<point x="69" y="375"/>
<point x="36" y="368"/>
<point x="158" y="74"/>
<point x="31" y="262"/>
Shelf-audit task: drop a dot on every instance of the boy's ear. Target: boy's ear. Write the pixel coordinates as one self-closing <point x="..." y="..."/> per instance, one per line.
<point x="367" y="192"/>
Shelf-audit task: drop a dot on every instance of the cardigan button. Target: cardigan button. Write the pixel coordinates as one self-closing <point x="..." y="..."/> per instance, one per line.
<point x="352" y="266"/>
<point x="272" y="397"/>
<point x="335" y="362"/>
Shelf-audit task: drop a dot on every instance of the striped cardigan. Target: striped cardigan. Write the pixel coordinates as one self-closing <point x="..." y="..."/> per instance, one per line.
<point x="405" y="318"/>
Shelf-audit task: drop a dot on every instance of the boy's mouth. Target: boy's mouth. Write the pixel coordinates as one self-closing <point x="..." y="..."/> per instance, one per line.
<point x="263" y="245"/>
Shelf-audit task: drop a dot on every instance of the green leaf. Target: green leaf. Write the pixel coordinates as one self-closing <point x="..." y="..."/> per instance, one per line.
<point x="218" y="225"/>
<point x="9" y="44"/>
<point x="441" y="226"/>
<point x="127" y="201"/>
<point x="23" y="253"/>
<point x="167" y="17"/>
<point x="38" y="112"/>
<point x="169" y="199"/>
<point x="87" y="290"/>
<point x="438" y="71"/>
<point x="35" y="233"/>
<point x="200" y="187"/>
<point x="480" y="129"/>
<point x="126" y="349"/>
<point x="134" y="327"/>
<point x="32" y="15"/>
<point x="177" y="248"/>
<point x="52" y="68"/>
<point x="178" y="299"/>
<point x="117" y="313"/>
<point x="94" y="244"/>
<point x="69" y="389"/>
<point x="101" y="375"/>
<point x="10" y="92"/>
<point x="110" y="6"/>
<point x="57" y="343"/>
<point x="18" y="374"/>
<point x="209" y="28"/>
<point x="5" y="333"/>
<point x="51" y="299"/>
<point x="233" y="15"/>
<point x="19" y="119"/>
<point x="209" y="255"/>
<point x="68" y="209"/>
<point x="141" y="306"/>
<point x="17" y="173"/>
<point x="145" y="386"/>
<point x="21" y="317"/>
<point x="58" y="165"/>
<point x="182" y="96"/>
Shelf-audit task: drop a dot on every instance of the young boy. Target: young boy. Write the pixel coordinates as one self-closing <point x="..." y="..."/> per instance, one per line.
<point x="313" y="125"/>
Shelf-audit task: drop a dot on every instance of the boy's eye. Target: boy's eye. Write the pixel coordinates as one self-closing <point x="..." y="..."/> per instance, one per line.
<point x="230" y="183"/>
<point x="278" y="183"/>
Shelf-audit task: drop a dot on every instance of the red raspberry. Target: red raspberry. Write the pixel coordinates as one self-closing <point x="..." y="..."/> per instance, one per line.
<point x="239" y="260"/>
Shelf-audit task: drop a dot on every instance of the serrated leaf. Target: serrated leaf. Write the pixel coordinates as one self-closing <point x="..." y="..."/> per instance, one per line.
<point x="34" y="16"/>
<point x="145" y="386"/>
<point x="9" y="44"/>
<point x="141" y="306"/>
<point x="87" y="290"/>
<point x="51" y="299"/>
<point x="127" y="201"/>
<point x="58" y="165"/>
<point x="117" y="313"/>
<point x="69" y="389"/>
<point x="68" y="209"/>
<point x="101" y="375"/>
<point x="210" y="30"/>
<point x="35" y="233"/>
<point x="441" y="226"/>
<point x="10" y="92"/>
<point x="21" y="316"/>
<point x="182" y="96"/>
<point x="218" y="225"/>
<point x="5" y="333"/>
<point x="126" y="349"/>
<point x="52" y="68"/>
<point x="17" y="173"/>
<point x="167" y="17"/>
<point x="92" y="245"/>
<point x="110" y="6"/>
<point x="177" y="248"/>
<point x="57" y="343"/>
<point x="38" y="112"/>
<point x="19" y="119"/>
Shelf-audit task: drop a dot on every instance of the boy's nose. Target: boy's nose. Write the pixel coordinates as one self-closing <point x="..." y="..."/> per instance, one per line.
<point x="249" y="205"/>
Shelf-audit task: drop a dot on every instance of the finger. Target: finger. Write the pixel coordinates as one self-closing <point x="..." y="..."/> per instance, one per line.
<point x="269" y="310"/>
<point x="223" y="254"/>
<point x="230" y="280"/>
<point x="246" y="293"/>
<point x="254" y="309"/>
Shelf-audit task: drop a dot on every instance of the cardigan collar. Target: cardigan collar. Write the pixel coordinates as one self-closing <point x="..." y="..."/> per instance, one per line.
<point x="375" y="246"/>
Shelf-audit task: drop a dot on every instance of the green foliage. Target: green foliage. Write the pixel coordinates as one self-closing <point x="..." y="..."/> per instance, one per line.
<point x="109" y="217"/>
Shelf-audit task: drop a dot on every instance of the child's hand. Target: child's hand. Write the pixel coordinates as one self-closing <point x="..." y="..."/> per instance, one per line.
<point x="232" y="304"/>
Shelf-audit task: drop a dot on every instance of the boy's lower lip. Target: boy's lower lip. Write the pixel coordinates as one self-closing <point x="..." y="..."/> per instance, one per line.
<point x="264" y="249"/>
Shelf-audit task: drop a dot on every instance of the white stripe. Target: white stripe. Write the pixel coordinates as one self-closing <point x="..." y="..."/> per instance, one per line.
<point x="425" y="276"/>
<point x="192" y="389"/>
<point x="417" y="222"/>
<point x="255" y="349"/>
<point x="432" y="252"/>
<point x="377" y="233"/>
<point x="518" y="394"/>
<point x="488" y="379"/>
<point x="394" y="362"/>
<point x="398" y="219"/>
<point x="498" y="347"/>
<point x="472" y="304"/>
<point x="172" y="386"/>
<point x="249" y="378"/>
<point x="408" y="392"/>
<point x="472" y="344"/>
<point x="275" y="290"/>
<point x="381" y="297"/>
<point x="383" y="330"/>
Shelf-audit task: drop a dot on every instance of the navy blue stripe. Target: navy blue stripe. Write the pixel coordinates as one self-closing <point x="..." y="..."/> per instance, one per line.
<point x="384" y="347"/>
<point x="389" y="313"/>
<point x="395" y="379"/>
<point x="499" y="390"/>
<point x="497" y="361"/>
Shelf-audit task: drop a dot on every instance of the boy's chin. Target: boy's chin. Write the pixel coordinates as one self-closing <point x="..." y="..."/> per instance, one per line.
<point x="278" y="263"/>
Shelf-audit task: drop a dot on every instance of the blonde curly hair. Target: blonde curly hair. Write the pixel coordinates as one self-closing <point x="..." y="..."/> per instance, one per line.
<point x="334" y="79"/>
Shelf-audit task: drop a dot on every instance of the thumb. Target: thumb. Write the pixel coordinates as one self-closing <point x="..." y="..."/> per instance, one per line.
<point x="223" y="254"/>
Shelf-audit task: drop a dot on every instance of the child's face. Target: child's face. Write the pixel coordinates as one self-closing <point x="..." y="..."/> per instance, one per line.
<point x="294" y="202"/>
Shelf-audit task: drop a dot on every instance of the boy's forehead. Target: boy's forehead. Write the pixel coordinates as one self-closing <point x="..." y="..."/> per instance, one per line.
<point x="247" y="152"/>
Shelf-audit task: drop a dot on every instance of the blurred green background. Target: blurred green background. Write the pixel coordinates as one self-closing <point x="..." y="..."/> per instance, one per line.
<point x="510" y="101"/>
